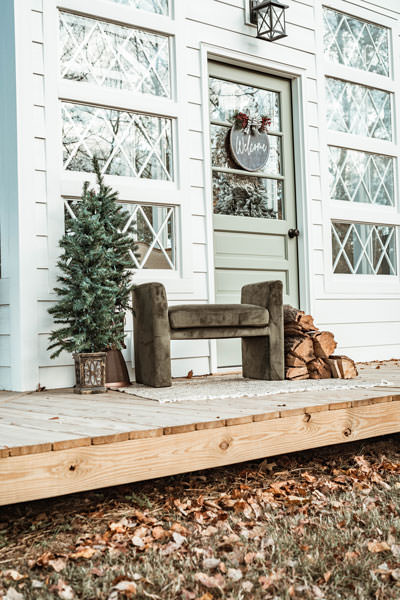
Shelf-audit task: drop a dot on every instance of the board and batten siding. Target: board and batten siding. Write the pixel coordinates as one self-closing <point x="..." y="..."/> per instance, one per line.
<point x="365" y="324"/>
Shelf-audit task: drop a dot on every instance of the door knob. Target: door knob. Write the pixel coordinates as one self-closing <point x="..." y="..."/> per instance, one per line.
<point x="292" y="233"/>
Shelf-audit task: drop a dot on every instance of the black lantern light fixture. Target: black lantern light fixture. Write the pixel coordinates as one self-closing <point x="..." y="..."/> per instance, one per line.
<point x="269" y="16"/>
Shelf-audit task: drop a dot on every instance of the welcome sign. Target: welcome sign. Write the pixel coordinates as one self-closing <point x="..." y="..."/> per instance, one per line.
<point x="250" y="151"/>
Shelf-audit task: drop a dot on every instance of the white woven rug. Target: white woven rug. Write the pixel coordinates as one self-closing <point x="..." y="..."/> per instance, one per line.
<point x="237" y="387"/>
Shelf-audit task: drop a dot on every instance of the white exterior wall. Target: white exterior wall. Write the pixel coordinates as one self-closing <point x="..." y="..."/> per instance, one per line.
<point x="363" y="317"/>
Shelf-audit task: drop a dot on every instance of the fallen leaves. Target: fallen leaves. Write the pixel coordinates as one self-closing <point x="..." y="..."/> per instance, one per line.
<point x="204" y="537"/>
<point x="58" y="564"/>
<point x="216" y="581"/>
<point x="378" y="546"/>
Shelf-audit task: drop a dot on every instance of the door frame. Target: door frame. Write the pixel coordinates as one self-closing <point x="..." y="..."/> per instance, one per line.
<point x="297" y="76"/>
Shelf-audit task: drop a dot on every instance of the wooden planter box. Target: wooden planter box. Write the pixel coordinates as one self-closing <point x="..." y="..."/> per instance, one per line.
<point x="90" y="373"/>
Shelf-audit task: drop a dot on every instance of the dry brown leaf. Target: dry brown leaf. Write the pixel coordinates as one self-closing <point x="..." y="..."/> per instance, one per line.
<point x="206" y="596"/>
<point x="249" y="557"/>
<point x="235" y="574"/>
<point x="64" y="590"/>
<point x="217" y="581"/>
<point x="378" y="546"/>
<point x="137" y="541"/>
<point x="85" y="552"/>
<point x="327" y="576"/>
<point x="13" y="574"/>
<point x="119" y="526"/>
<point x="44" y="559"/>
<point x="179" y="528"/>
<point x="127" y="587"/>
<point x="159" y="533"/>
<point x="58" y="564"/>
<point x="211" y="563"/>
<point x="178" y="539"/>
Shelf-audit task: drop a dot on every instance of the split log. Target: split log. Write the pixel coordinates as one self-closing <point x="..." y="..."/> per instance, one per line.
<point x="307" y="323"/>
<point x="324" y="343"/>
<point x="342" y="367"/>
<point x="293" y="329"/>
<point x="301" y="347"/>
<point x="291" y="314"/>
<point x="319" y="369"/>
<point x="293" y="361"/>
<point x="293" y="317"/>
<point x="297" y="373"/>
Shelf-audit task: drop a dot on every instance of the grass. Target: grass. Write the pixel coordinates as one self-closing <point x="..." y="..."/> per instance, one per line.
<point x="318" y="524"/>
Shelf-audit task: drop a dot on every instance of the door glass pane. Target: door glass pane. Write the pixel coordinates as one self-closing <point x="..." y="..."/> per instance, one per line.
<point x="114" y="56"/>
<point x="157" y="6"/>
<point x="247" y="196"/>
<point x="125" y="143"/>
<point x="244" y="194"/>
<point x="221" y="156"/>
<point x="358" y="109"/>
<point x="228" y="98"/>
<point x="361" y="177"/>
<point x="356" y="43"/>
<point x="364" y="249"/>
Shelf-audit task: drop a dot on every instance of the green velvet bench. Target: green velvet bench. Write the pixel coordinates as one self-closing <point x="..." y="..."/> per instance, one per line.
<point x="258" y="320"/>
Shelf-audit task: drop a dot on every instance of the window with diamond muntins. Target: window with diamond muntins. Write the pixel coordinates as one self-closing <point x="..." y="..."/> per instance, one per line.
<point x="125" y="143"/>
<point x="361" y="177"/>
<point x="154" y="233"/>
<point x="358" y="109"/>
<point x="114" y="56"/>
<point x="364" y="249"/>
<point x="356" y="43"/>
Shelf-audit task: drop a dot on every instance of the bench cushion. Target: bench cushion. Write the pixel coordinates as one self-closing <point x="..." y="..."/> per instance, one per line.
<point x="217" y="315"/>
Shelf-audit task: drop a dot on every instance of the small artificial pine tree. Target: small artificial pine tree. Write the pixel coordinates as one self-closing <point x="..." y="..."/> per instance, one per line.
<point x="95" y="274"/>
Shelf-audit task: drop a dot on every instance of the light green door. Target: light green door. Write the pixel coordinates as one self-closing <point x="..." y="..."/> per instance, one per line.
<point x="253" y="211"/>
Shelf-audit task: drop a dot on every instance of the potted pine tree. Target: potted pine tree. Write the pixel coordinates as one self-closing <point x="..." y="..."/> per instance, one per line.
<point x="94" y="284"/>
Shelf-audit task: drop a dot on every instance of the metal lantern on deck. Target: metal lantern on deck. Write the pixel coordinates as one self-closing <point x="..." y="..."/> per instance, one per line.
<point x="269" y="16"/>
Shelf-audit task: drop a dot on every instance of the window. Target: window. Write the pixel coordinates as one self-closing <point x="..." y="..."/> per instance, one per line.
<point x="356" y="43"/>
<point x="364" y="249"/>
<point x="114" y="56"/>
<point x="361" y="177"/>
<point x="361" y="152"/>
<point x="157" y="6"/>
<point x="117" y="104"/>
<point x="126" y="143"/>
<point x="358" y="109"/>
<point x="154" y="233"/>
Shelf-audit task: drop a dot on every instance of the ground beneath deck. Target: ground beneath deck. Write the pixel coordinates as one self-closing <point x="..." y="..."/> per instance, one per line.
<point x="56" y="442"/>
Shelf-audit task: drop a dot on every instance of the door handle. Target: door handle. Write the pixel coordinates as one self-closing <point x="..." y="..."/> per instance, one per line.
<point x="293" y="233"/>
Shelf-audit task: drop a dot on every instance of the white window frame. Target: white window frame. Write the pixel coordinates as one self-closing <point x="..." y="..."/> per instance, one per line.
<point x="348" y="285"/>
<point x="68" y="184"/>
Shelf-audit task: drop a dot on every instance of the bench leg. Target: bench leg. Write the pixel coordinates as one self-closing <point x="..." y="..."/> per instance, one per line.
<point x="151" y="336"/>
<point x="263" y="357"/>
<point x="258" y="359"/>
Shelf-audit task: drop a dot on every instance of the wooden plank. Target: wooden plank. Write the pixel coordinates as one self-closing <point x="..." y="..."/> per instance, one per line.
<point x="55" y="473"/>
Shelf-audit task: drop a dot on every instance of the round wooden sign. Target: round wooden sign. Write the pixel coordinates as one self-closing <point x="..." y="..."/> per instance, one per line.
<point x="249" y="150"/>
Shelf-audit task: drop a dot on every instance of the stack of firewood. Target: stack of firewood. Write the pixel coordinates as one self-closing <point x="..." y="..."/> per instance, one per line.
<point x="309" y="352"/>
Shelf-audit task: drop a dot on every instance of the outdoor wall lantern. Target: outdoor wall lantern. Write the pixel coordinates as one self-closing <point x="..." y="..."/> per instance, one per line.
<point x="269" y="16"/>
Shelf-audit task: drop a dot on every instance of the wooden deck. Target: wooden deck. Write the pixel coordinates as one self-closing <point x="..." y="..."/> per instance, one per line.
<point x="54" y="443"/>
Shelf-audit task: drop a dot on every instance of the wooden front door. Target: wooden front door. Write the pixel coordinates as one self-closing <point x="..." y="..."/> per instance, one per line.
<point x="253" y="211"/>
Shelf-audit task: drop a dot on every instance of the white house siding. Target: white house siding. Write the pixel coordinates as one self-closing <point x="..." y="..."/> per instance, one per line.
<point x="365" y="321"/>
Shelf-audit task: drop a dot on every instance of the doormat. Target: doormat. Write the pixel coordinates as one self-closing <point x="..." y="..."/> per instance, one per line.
<point x="237" y="387"/>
